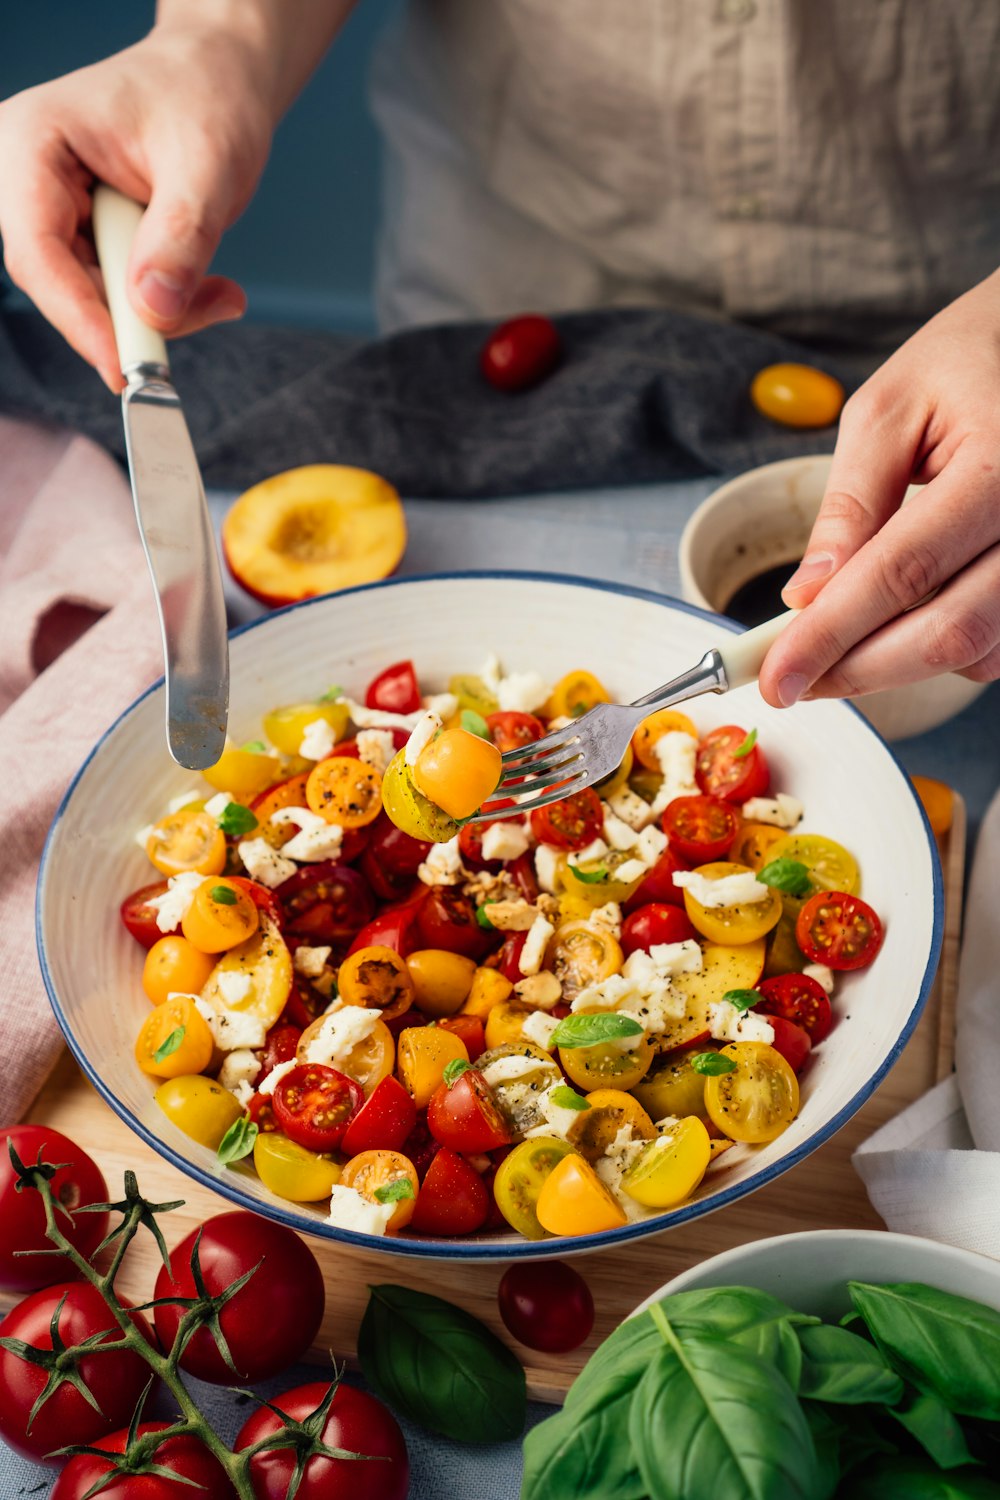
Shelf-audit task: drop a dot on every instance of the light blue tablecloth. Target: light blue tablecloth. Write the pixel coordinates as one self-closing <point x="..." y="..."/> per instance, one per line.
<point x="628" y="536"/>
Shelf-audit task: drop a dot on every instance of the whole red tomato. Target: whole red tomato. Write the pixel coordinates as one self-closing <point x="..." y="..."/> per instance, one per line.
<point x="270" y="1323"/>
<point x="447" y="919"/>
<point x="116" y="1380"/>
<point x="22" y="1215"/>
<point x="186" y="1457"/>
<point x="355" y="1422"/>
<point x="325" y="903"/>
<point x="521" y="352"/>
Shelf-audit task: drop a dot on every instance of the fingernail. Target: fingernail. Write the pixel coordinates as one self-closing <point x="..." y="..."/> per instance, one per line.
<point x="811" y="569"/>
<point x="162" y="294"/>
<point x="791" y="688"/>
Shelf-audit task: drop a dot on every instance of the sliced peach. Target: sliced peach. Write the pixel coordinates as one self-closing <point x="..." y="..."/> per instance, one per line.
<point x="313" y="530"/>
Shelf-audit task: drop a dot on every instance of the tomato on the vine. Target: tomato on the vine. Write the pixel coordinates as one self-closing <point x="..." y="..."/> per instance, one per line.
<point x="546" y="1305"/>
<point x="356" y="1423"/>
<point x="183" y="1455"/>
<point x="838" y="930"/>
<point x="654" y="924"/>
<point x="395" y="690"/>
<point x="730" y="765"/>
<point x="314" y="1105"/>
<point x="22" y="1215"/>
<point x="700" y="829"/>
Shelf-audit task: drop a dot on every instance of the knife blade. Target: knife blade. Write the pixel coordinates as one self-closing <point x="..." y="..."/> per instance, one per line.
<point x="170" y="508"/>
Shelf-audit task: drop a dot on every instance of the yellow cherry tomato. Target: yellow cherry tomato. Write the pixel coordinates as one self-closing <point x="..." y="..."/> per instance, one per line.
<point x="614" y="783"/>
<point x="797" y="395"/>
<point x="345" y="791"/>
<point x="423" y="1053"/>
<point x="784" y="956"/>
<point x="524" y="1074"/>
<point x="580" y="894"/>
<point x="288" y="793"/>
<point x="221" y="915"/>
<point x="753" y="844"/>
<point x="574" y="694"/>
<point x="611" y="1110"/>
<point x="285" y="727"/>
<point x="377" y="979"/>
<point x="671" y="1167"/>
<point x="520" y="1178"/>
<point x="574" y="1200"/>
<point x="441" y="980"/>
<point x="473" y="694"/>
<point x="732" y="925"/>
<point x="652" y="730"/>
<point x="265" y="960"/>
<point x="368" y="1062"/>
<point x="489" y="987"/>
<point x="758" y="1099"/>
<point x="187" y="841"/>
<point x="938" y="802"/>
<point x="370" y="1171"/>
<point x="580" y="955"/>
<point x="674" y="1088"/>
<point x="174" y="1039"/>
<point x="458" y="772"/>
<point x="199" y="1106"/>
<point x="606" y="1066"/>
<point x="174" y="964"/>
<point x="505" y="1023"/>
<point x="291" y="1171"/>
<point x="409" y="809"/>
<point x="722" y="968"/>
<point x="831" y="867"/>
<point x="243" y="773"/>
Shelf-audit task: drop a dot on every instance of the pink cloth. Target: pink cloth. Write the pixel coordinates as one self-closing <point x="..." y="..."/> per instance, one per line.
<point x="78" y="641"/>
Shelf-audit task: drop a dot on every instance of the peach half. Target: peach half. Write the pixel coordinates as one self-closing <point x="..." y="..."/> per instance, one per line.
<point x="312" y="531"/>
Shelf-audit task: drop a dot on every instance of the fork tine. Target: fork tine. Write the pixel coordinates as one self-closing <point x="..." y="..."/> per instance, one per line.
<point x="549" y="744"/>
<point x="531" y="772"/>
<point x="519" y="809"/>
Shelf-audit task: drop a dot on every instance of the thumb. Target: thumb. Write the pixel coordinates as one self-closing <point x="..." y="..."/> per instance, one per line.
<point x="174" y="244"/>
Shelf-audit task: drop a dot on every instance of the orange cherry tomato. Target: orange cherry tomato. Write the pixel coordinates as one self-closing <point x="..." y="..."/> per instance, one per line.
<point x="753" y="843"/>
<point x="574" y="1200"/>
<point x="489" y="987"/>
<point x="457" y="771"/>
<point x="574" y="695"/>
<point x="441" y="980"/>
<point x="367" y="1063"/>
<point x="378" y="979"/>
<point x="610" y="1109"/>
<point x="221" y="915"/>
<point x="423" y="1053"/>
<point x="797" y="395"/>
<point x="938" y="802"/>
<point x="580" y="955"/>
<point x="652" y="730"/>
<point x="174" y="964"/>
<point x="345" y="791"/>
<point x="174" y="1039"/>
<point x="187" y="840"/>
<point x="290" y="793"/>
<point x="372" y="1172"/>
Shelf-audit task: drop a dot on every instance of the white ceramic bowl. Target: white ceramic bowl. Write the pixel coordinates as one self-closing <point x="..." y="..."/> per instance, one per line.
<point x="762" y="519"/>
<point x="825" y="753"/>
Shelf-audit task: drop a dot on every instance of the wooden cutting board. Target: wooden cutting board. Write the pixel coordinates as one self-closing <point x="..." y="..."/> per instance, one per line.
<point x="822" y="1192"/>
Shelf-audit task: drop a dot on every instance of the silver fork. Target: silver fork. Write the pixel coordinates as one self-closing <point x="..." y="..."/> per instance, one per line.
<point x="593" y="746"/>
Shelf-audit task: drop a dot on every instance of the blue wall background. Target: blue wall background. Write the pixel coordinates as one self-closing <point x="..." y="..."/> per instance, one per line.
<point x="303" y="249"/>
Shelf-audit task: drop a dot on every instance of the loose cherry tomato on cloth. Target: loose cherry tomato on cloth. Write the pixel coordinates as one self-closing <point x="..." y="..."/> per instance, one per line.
<point x="700" y="829"/>
<point x="791" y="1041"/>
<point x="797" y="395"/>
<point x="22" y="1216"/>
<point x="395" y="927"/>
<point x="546" y="1305"/>
<point x="463" y="1115"/>
<point x="721" y="772"/>
<point x="356" y="1423"/>
<point x="325" y="903"/>
<point x="279" y="1046"/>
<point x="447" y="919"/>
<point x="184" y="1456"/>
<point x="571" y="824"/>
<point x="452" y="1199"/>
<point x="396" y="690"/>
<point x="139" y="917"/>
<point x="798" y="998"/>
<point x="174" y="965"/>
<point x="376" y="978"/>
<point x="384" y="1122"/>
<point x="271" y="1321"/>
<point x="115" y="1380"/>
<point x="838" y="930"/>
<point x="314" y="1105"/>
<point x="520" y="352"/>
<point x="656" y="923"/>
<point x="658" y="885"/>
<point x="511" y="730"/>
<point x="470" y="1030"/>
<point x="345" y="791"/>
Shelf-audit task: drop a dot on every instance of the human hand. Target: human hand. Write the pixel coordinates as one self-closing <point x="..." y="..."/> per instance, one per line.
<point x="929" y="415"/>
<point x="179" y="121"/>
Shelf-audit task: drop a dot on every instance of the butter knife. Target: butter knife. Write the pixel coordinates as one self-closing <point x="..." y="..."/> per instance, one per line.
<point x="170" y="507"/>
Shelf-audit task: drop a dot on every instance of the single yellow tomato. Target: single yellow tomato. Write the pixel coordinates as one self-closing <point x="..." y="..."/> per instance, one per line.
<point x="671" y="1167"/>
<point x="574" y="695"/>
<point x="458" y="772"/>
<point x="291" y="1171"/>
<point x="938" y="801"/>
<point x="441" y="980"/>
<point x="174" y="1039"/>
<point x="758" y="1099"/>
<point x="610" y="1111"/>
<point x="371" y="1172"/>
<point x="831" y="867"/>
<point x="580" y="955"/>
<point x="187" y="841"/>
<point x="243" y="773"/>
<point x="732" y="925"/>
<point x="520" y="1178"/>
<point x="221" y="915"/>
<point x="674" y="1087"/>
<point x="605" y="1065"/>
<point x="368" y="1062"/>
<point x="473" y="694"/>
<point x="505" y="1023"/>
<point x="344" y="790"/>
<point x="286" y="727"/>
<point x="489" y="987"/>
<point x="652" y="730"/>
<point x="574" y="1200"/>
<point x="753" y="844"/>
<point x="199" y="1106"/>
<point x="376" y="978"/>
<point x="409" y="809"/>
<point x="423" y="1053"/>
<point x="174" y="964"/>
<point x="797" y="395"/>
<point x="265" y="961"/>
<point x="594" y="882"/>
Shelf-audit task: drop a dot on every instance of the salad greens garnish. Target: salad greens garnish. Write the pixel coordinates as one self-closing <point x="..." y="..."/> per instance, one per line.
<point x="331" y="695"/>
<point x="170" y="1044"/>
<point x="589" y="877"/>
<point x="589" y="1031"/>
<point x="236" y="820"/>
<point x="393" y="1192"/>
<point x="568" y="1098"/>
<point x="712" y="1064"/>
<point x="255" y="747"/>
<point x="223" y="895"/>
<point x="475" y="723"/>
<point x="744" y="749"/>
<point x="482" y="917"/>
<point x="743" y="999"/>
<point x="238" y="1141"/>
<point x="788" y="875"/>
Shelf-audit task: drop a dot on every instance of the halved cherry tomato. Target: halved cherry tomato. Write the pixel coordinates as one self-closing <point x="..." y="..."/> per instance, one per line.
<point x="187" y="840"/>
<point x="420" y="1146"/>
<point x="397" y="853"/>
<point x="325" y="903"/>
<point x="372" y="1170"/>
<point x="221" y="915"/>
<point x="423" y="1052"/>
<point x="512" y="730"/>
<point x="395" y="690"/>
<point x="522" y="873"/>
<point x="571" y="824"/>
<point x="838" y="930"/>
<point x="651" y="731"/>
<point x="452" y="1199"/>
<point x="279" y="1046"/>
<point x="520" y="352"/>
<point x="720" y="772"/>
<point x="314" y="1105"/>
<point x="260" y="1112"/>
<point x="489" y="987"/>
<point x="470" y="1029"/>
<point x="791" y="1041"/>
<point x="700" y="829"/>
<point x="265" y="901"/>
<point x="520" y="1178"/>
<point x="384" y="1122"/>
<point x="345" y="791"/>
<point x="447" y="919"/>
<point x="463" y="1115"/>
<point x="574" y="694"/>
<point x="441" y="980"/>
<point x="290" y="793"/>
<point x="473" y="694"/>
<point x="831" y="867"/>
<point x="386" y="886"/>
<point x="605" y="1066"/>
<point x="457" y="771"/>
<point x="378" y="979"/>
<point x="733" y="925"/>
<point x="574" y="1200"/>
<point x="656" y="923"/>
<point x="173" y="964"/>
<point x="395" y="927"/>
<point x="671" y="1167"/>
<point x="510" y="956"/>
<point x="753" y="844"/>
<point x="610" y="1111"/>
<point x="409" y="809"/>
<point x="758" y="1099"/>
<point x="292" y="1171"/>
<point x="938" y="801"/>
<point x="505" y="1023"/>
<point x="305" y="1002"/>
<point x="674" y="1088"/>
<point x="139" y="917"/>
<point x="580" y="955"/>
<point x="798" y="998"/>
<point x="658" y="884"/>
<point x="285" y="727"/>
<point x="180" y="1026"/>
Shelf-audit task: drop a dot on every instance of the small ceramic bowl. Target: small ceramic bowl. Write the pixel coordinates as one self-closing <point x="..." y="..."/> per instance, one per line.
<point x="763" y="519"/>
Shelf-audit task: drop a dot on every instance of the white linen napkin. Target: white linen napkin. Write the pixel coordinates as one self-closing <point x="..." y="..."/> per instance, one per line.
<point x="934" y="1170"/>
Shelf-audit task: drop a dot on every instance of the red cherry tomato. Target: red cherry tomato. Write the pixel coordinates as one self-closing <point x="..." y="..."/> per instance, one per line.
<point x="386" y="886"/>
<point x="396" y="690"/>
<point x="115" y="1380"/>
<point x="522" y="872"/>
<point x="279" y="1046"/>
<point x="396" y="851"/>
<point x="798" y="998"/>
<point x="140" y="918"/>
<point x="471" y="1030"/>
<point x="838" y="930"/>
<point x="510" y="956"/>
<point x="22" y="1216"/>
<point x="262" y="898"/>
<point x="521" y="352"/>
<point x="447" y="919"/>
<point x="260" y="1111"/>
<point x="700" y="829"/>
<point x="325" y="903"/>
<point x="271" y="1321"/>
<point x="395" y="928"/>
<point x="470" y="840"/>
<point x="546" y="1305"/>
<point x="384" y="1121"/>
<point x="186" y="1457"/>
<point x="720" y="772"/>
<point x="791" y="1041"/>
<point x="658" y="885"/>
<point x="495" y="1221"/>
<point x="304" y="1003"/>
<point x="452" y="1197"/>
<point x="511" y="730"/>
<point x="464" y="1116"/>
<point x="421" y="1147"/>
<point x="657" y="923"/>
<point x="356" y="1423"/>
<point x="571" y="824"/>
<point x="314" y="1105"/>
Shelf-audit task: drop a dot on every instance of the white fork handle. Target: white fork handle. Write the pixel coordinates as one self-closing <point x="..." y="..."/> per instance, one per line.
<point x="115" y="221"/>
<point x="743" y="655"/>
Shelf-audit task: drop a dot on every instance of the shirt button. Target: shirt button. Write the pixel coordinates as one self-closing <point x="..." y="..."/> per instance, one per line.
<point x="736" y="10"/>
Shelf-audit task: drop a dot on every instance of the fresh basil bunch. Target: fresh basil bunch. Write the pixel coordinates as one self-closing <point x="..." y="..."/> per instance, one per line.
<point x="727" y="1394"/>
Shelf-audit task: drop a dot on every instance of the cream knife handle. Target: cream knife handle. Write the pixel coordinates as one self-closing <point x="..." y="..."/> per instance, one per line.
<point x="743" y="655"/>
<point x="115" y="221"/>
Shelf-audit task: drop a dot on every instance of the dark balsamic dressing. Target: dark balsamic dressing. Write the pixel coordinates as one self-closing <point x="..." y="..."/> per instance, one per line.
<point x="759" y="599"/>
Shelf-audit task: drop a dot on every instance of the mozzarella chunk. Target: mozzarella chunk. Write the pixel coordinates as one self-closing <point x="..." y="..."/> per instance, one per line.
<point x="316" y="839"/>
<point x="276" y="1074"/>
<point x="547" y="858"/>
<point x="632" y="869"/>
<point x="607" y="994"/>
<point x="650" y="844"/>
<point x="340" y="1031"/>
<point x="662" y="963"/>
<point x="443" y="865"/>
<point x="241" y="1066"/>
<point x="516" y="915"/>
<point x="559" y="1121"/>
<point x="351" y="1210"/>
<point x="310" y="961"/>
<point x="742" y="889"/>
<point x="676" y="752"/>
<point x="540" y="990"/>
<point x="265" y="865"/>
<point x="780" y="810"/>
<point x="376" y="747"/>
<point x="822" y="975"/>
<point x="232" y="1030"/>
<point x="234" y="988"/>
<point x="523" y="692"/>
<point x="727" y="1024"/>
<point x="445" y="705"/>
<point x="216" y="806"/>
<point x="607" y="918"/>
<point x="533" y="952"/>
<point x="184" y="799"/>
<point x="538" y="1028"/>
<point x="509" y="1069"/>
<point x="377" y="718"/>
<point x="507" y="839"/>
<point x="631" y="808"/>
<point x="318" y="739"/>
<point x="617" y="833"/>
<point x="597" y="850"/>
<point x="142" y="835"/>
<point x="172" y="907"/>
<point x="421" y="735"/>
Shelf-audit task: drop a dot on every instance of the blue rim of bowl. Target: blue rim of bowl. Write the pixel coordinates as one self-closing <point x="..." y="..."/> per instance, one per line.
<point x="486" y="1249"/>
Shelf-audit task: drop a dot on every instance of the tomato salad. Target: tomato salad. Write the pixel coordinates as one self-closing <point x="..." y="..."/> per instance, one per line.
<point x="556" y="1024"/>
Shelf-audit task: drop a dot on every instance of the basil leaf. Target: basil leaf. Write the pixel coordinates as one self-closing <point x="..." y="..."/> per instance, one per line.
<point x="899" y="1478"/>
<point x="590" y="1031"/>
<point x="483" y="919"/>
<point x="589" y="877"/>
<point x="827" y="1433"/>
<point x="726" y="1311"/>
<point x="170" y="1045"/>
<point x="712" y="1064"/>
<point x="255" y="747"/>
<point x="927" y="1419"/>
<point x="238" y="1141"/>
<point x="331" y="695"/>
<point x="626" y="1351"/>
<point x="944" y="1344"/>
<point x="845" y="1369"/>
<point x="236" y="820"/>
<point x="454" y="1070"/>
<point x="392" y="1192"/>
<point x="223" y="895"/>
<point x="440" y="1366"/>
<point x="743" y="750"/>
<point x="743" y="999"/>
<point x="788" y="875"/>
<point x="568" y="1098"/>
<point x="474" y="723"/>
